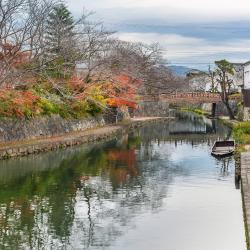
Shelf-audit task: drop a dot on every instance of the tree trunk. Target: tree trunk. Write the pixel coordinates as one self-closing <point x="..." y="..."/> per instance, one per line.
<point x="230" y="111"/>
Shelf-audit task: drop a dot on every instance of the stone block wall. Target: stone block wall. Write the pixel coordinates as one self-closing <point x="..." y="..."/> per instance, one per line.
<point x="21" y="129"/>
<point x="116" y="115"/>
<point x="152" y="109"/>
<point x="220" y="107"/>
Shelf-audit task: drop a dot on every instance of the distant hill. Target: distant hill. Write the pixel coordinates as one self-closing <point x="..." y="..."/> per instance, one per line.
<point x="179" y="70"/>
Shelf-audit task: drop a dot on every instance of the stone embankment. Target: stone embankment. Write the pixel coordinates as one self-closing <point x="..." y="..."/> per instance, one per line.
<point x="61" y="138"/>
<point x="245" y="182"/>
<point x="46" y="126"/>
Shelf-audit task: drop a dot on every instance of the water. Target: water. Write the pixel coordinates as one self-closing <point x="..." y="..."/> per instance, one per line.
<point x="156" y="188"/>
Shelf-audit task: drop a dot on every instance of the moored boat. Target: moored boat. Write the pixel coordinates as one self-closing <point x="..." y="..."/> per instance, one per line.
<point x="223" y="148"/>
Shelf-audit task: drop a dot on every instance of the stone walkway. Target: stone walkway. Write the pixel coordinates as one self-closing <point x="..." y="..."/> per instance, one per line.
<point x="245" y="181"/>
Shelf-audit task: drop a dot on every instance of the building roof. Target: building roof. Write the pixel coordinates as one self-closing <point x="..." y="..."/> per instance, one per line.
<point x="246" y="63"/>
<point x="242" y="64"/>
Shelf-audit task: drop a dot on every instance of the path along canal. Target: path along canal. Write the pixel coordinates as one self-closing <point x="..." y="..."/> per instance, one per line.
<point x="155" y="188"/>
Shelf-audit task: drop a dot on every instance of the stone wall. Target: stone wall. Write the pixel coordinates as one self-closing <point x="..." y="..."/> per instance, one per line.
<point x="24" y="148"/>
<point x="220" y="108"/>
<point x="116" y="115"/>
<point x="246" y="114"/>
<point x="21" y="129"/>
<point x="152" y="109"/>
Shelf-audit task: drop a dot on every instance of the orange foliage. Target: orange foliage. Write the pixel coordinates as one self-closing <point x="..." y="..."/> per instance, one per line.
<point x="17" y="102"/>
<point x="121" y="91"/>
<point x="126" y="157"/>
<point x="128" y="86"/>
<point x="118" y="102"/>
<point x="76" y="83"/>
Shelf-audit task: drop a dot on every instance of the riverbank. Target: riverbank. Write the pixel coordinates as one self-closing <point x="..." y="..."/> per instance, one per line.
<point x="245" y="184"/>
<point x="26" y="147"/>
<point x="242" y="166"/>
<point x="241" y="133"/>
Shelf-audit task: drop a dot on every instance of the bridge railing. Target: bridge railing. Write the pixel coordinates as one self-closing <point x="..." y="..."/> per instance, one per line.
<point x="182" y="96"/>
<point x="191" y="95"/>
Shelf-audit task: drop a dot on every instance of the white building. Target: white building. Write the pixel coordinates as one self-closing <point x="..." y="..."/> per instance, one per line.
<point x="246" y="91"/>
<point x="246" y="77"/>
<point x="202" y="81"/>
<point x="243" y="71"/>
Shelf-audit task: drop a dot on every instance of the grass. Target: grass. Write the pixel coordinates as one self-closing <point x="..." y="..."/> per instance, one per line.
<point x="241" y="133"/>
<point x="195" y="110"/>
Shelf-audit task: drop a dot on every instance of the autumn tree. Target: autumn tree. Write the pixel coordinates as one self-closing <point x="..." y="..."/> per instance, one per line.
<point x="137" y="62"/>
<point x="132" y="60"/>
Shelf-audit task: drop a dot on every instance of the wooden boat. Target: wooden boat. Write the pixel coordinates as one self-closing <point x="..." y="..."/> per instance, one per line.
<point x="223" y="148"/>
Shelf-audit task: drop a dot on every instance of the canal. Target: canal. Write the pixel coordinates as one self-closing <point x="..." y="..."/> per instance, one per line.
<point x="157" y="187"/>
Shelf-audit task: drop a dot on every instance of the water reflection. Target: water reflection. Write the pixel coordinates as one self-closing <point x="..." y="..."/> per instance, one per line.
<point x="90" y="197"/>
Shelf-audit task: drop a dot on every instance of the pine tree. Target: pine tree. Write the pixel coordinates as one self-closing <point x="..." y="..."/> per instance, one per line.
<point x="60" y="33"/>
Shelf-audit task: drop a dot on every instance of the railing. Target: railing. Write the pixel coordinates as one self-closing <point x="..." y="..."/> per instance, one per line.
<point x="191" y="95"/>
<point x="185" y="97"/>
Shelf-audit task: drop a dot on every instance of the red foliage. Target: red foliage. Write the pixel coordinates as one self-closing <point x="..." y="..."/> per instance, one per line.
<point x="127" y="85"/>
<point x="121" y="158"/>
<point x="122" y="91"/>
<point x="76" y="83"/>
<point x="17" y="102"/>
<point x="118" y="102"/>
<point x="13" y="54"/>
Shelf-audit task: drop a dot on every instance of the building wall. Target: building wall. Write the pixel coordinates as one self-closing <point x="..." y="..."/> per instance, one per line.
<point x="247" y="76"/>
<point x="202" y="82"/>
<point x="246" y="114"/>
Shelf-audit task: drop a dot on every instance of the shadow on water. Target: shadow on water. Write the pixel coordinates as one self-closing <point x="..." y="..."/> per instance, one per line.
<point x="87" y="197"/>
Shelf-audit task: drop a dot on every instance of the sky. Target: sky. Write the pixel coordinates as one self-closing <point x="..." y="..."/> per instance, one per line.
<point x="191" y="33"/>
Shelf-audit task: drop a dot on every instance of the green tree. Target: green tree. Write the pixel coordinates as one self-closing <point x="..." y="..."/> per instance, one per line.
<point x="224" y="72"/>
<point x="60" y="34"/>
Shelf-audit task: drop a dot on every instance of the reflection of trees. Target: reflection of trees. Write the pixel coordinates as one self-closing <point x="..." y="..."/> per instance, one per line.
<point x="186" y="128"/>
<point x="225" y="164"/>
<point x="85" y="197"/>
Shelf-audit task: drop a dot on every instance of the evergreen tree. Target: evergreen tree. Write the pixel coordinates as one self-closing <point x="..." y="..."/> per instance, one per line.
<point x="60" y="33"/>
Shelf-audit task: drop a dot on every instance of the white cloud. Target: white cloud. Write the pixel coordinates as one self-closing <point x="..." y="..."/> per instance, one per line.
<point x="179" y="48"/>
<point x="201" y="45"/>
<point x="171" y="10"/>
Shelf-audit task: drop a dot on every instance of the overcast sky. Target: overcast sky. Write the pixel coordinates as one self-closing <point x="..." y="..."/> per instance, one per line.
<point x="191" y="32"/>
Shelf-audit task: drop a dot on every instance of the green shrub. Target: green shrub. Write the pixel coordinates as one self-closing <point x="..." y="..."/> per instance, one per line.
<point x="48" y="108"/>
<point x="195" y="110"/>
<point x="28" y="113"/>
<point x="93" y="108"/>
<point x="79" y="109"/>
<point x="241" y="132"/>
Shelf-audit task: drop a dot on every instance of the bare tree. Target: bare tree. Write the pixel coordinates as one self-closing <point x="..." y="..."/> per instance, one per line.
<point x="141" y="62"/>
<point x="93" y="42"/>
<point x="21" y="36"/>
<point x="212" y="76"/>
<point x="224" y="73"/>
